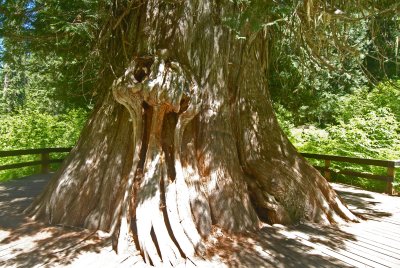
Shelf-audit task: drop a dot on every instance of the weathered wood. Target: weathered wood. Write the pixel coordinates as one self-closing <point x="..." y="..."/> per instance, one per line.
<point x="391" y="173"/>
<point x="28" y="164"/>
<point x="356" y="174"/>
<point x="389" y="164"/>
<point x="327" y="172"/>
<point x="45" y="162"/>
<point x="20" y="165"/>
<point x="355" y="160"/>
<point x="364" y="175"/>
<point x="365" y="244"/>
<point x="375" y="238"/>
<point x="34" y="151"/>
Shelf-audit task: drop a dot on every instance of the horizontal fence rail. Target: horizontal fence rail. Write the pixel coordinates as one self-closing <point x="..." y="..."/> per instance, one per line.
<point x="389" y="164"/>
<point x="44" y="161"/>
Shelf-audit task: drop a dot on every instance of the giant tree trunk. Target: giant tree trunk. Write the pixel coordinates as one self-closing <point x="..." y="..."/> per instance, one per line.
<point x="195" y="143"/>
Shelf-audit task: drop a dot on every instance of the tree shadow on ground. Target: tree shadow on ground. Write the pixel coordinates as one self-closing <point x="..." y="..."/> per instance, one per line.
<point x="303" y="245"/>
<point x="26" y="243"/>
<point x="279" y="246"/>
<point x="365" y="204"/>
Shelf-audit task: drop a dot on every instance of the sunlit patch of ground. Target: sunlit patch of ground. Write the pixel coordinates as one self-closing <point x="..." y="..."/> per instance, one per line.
<point x="373" y="242"/>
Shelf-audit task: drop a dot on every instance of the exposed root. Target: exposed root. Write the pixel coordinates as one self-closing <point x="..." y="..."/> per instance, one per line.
<point x="184" y="210"/>
<point x="165" y="227"/>
<point x="162" y="248"/>
<point x="199" y="201"/>
<point x="122" y="215"/>
<point x="150" y="218"/>
<point x="182" y="191"/>
<point x="268" y="208"/>
<point x="186" y="245"/>
<point x="307" y="198"/>
<point x="149" y="215"/>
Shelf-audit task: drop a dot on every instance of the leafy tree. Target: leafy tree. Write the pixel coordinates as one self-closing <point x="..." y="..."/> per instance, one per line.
<point x="314" y="69"/>
<point x="30" y="128"/>
<point x="311" y="88"/>
<point x="195" y="143"/>
<point x="368" y="127"/>
<point x="384" y="96"/>
<point x="49" y="44"/>
<point x="12" y="95"/>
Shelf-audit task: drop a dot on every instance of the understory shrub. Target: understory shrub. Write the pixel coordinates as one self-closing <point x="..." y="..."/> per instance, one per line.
<point x="367" y="126"/>
<point x="33" y="129"/>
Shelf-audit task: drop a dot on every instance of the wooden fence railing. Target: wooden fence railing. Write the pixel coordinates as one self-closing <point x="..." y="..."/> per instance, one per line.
<point x="390" y="166"/>
<point x="44" y="161"/>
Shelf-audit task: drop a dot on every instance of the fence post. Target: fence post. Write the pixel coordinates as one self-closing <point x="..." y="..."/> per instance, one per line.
<point x="327" y="171"/>
<point x="45" y="162"/>
<point x="391" y="173"/>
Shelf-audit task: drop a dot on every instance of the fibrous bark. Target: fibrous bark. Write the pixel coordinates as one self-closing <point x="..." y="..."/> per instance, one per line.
<point x="195" y="143"/>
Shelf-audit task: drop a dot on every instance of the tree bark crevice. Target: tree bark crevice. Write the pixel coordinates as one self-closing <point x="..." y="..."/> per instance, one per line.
<point x="194" y="147"/>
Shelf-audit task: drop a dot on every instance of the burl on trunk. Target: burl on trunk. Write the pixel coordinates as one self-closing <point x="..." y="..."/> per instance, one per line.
<point x="195" y="143"/>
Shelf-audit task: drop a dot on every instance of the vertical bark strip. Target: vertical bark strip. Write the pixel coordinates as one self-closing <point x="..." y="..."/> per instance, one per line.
<point x="291" y="189"/>
<point x="195" y="143"/>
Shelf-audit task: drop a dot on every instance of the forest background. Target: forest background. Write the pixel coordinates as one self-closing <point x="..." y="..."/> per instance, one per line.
<point x="349" y="106"/>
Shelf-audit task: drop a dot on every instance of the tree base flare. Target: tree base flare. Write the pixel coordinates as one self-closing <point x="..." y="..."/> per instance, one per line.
<point x="194" y="148"/>
<point x="184" y="179"/>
